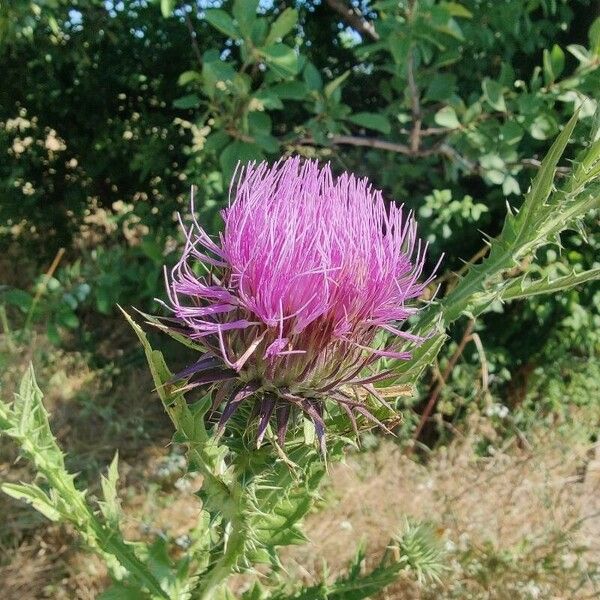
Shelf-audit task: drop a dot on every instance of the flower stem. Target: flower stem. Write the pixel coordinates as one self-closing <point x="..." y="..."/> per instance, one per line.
<point x="235" y="544"/>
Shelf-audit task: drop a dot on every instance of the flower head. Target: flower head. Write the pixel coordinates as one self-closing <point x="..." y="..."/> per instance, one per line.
<point x="304" y="292"/>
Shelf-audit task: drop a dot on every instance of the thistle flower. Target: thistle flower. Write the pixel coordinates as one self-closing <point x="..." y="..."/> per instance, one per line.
<point x="303" y="294"/>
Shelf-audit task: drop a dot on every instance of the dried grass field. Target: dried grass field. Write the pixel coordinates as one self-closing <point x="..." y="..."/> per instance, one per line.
<point x="520" y="520"/>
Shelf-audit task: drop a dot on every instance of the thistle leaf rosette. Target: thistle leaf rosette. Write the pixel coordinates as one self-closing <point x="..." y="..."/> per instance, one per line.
<point x="308" y="286"/>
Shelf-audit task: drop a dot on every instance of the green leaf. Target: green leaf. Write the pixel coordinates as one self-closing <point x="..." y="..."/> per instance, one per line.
<point x="446" y="117"/>
<point x="451" y="28"/>
<point x="557" y="59"/>
<point x="290" y="90"/>
<point x="189" y="420"/>
<point x="110" y="507"/>
<point x="268" y="99"/>
<point x="511" y="132"/>
<point x="189" y="77"/>
<point x="309" y="432"/>
<point x="333" y="85"/>
<point x="167" y="7"/>
<point x="580" y="53"/>
<point x="594" y="37"/>
<point x="33" y="495"/>
<point x="120" y="591"/>
<point x="53" y="333"/>
<point x="312" y="77"/>
<point x="19" y="298"/>
<point x="524" y="287"/>
<point x="408" y="372"/>
<point x="244" y="12"/>
<point x="187" y="102"/>
<point x="493" y="94"/>
<point x="371" y="121"/>
<point x="507" y="75"/>
<point x="494" y="167"/>
<point x="53" y="25"/>
<point x="554" y="63"/>
<point x="104" y="300"/>
<point x="158" y="560"/>
<point x="256" y="592"/>
<point x="267" y="142"/>
<point x="282" y="25"/>
<point x="216" y="141"/>
<point x="441" y="87"/>
<point x="282" y="60"/>
<point x="153" y="250"/>
<point x="399" y="46"/>
<point x="457" y="10"/>
<point x="259" y="123"/>
<point x="259" y="32"/>
<point x="215" y="70"/>
<point x="221" y="21"/>
<point x="544" y="126"/>
<point x="510" y="186"/>
<point x="235" y="152"/>
<point x="67" y="318"/>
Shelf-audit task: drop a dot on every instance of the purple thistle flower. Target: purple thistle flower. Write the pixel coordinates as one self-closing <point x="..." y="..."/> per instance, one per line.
<point x="305" y="291"/>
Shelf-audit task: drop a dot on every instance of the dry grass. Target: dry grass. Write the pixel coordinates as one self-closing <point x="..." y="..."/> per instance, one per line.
<point x="521" y="508"/>
<point x="512" y="522"/>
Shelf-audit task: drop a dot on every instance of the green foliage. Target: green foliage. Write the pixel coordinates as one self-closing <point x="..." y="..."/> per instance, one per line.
<point x="26" y="421"/>
<point x="104" y="162"/>
<point x="403" y="102"/>
<point x="544" y="215"/>
<point x="415" y="551"/>
<point x="109" y="111"/>
<point x="446" y="213"/>
<point x="254" y="497"/>
<point x="539" y="221"/>
<point x="253" y="500"/>
<point x="421" y="551"/>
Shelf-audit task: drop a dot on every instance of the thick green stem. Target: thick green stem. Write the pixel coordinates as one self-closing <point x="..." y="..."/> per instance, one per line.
<point x="235" y="544"/>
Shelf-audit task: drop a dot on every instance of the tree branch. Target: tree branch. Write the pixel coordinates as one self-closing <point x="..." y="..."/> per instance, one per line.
<point x="354" y="140"/>
<point x="415" y="134"/>
<point x="441" y="149"/>
<point x="193" y="39"/>
<point x="354" y="18"/>
<point x="366" y="142"/>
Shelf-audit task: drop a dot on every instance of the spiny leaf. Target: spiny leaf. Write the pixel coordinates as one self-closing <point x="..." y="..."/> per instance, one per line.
<point x="543" y="216"/>
<point x="110" y="507"/>
<point x="416" y="550"/>
<point x="203" y="449"/>
<point x="410" y="371"/>
<point x="421" y="551"/>
<point x="34" y="495"/>
<point x="525" y="287"/>
<point x="536" y="223"/>
<point x="28" y="424"/>
<point x="542" y="184"/>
